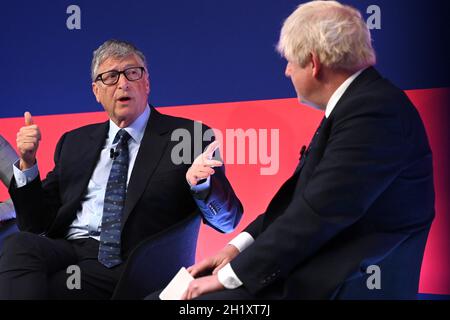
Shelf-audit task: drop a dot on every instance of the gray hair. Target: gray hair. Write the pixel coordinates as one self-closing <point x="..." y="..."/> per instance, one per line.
<point x="117" y="49"/>
<point x="336" y="33"/>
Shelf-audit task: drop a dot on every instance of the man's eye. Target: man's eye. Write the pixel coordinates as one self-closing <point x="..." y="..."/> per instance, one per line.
<point x="109" y="76"/>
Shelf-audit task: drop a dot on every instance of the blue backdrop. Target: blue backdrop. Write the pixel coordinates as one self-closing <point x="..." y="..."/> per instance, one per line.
<point x="198" y="51"/>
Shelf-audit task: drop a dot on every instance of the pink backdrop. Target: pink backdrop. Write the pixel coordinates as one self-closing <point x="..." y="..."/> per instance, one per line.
<point x="296" y="125"/>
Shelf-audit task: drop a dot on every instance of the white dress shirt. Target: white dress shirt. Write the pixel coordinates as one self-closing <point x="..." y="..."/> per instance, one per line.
<point x="227" y="277"/>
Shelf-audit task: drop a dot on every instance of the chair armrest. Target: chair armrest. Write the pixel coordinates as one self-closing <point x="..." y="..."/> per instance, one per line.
<point x="6" y="228"/>
<point x="154" y="262"/>
<point x="7" y="157"/>
<point x="7" y="211"/>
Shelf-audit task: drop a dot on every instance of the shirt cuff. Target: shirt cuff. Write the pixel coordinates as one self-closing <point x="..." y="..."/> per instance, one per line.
<point x="228" y="278"/>
<point x="26" y="176"/>
<point x="242" y="241"/>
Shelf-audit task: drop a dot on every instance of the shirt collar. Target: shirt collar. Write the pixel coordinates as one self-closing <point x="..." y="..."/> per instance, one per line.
<point x="135" y="130"/>
<point x="337" y="95"/>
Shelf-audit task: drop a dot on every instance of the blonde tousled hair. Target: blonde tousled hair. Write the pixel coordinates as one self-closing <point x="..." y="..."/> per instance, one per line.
<point x="336" y="33"/>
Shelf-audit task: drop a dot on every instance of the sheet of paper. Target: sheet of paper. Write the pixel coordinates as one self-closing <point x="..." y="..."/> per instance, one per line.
<point x="177" y="286"/>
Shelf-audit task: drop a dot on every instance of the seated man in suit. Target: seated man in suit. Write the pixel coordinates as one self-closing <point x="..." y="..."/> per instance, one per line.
<point x="113" y="185"/>
<point x="362" y="188"/>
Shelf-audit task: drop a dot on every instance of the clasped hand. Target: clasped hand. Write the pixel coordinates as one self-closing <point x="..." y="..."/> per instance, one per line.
<point x="205" y="273"/>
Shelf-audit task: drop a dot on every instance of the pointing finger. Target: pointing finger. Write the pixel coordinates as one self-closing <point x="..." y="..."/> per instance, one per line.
<point x="211" y="149"/>
<point x="212" y="163"/>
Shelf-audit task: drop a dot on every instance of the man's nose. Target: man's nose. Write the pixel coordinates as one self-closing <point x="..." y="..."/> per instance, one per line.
<point x="123" y="82"/>
<point x="287" y="71"/>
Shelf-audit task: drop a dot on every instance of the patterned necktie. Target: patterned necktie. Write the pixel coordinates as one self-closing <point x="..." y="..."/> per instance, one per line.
<point x="109" y="248"/>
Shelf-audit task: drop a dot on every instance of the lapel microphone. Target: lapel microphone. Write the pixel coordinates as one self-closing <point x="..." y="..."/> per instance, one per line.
<point x="113" y="154"/>
<point x="302" y="152"/>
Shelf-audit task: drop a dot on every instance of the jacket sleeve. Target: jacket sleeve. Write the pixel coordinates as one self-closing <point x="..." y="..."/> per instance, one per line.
<point x="220" y="207"/>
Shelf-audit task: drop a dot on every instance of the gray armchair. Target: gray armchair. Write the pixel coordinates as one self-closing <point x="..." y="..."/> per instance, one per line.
<point x="7" y="157"/>
<point x="7" y="214"/>
<point x="157" y="259"/>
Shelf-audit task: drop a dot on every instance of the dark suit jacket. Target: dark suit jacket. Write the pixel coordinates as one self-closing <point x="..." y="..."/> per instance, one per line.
<point x="158" y="195"/>
<point x="365" y="187"/>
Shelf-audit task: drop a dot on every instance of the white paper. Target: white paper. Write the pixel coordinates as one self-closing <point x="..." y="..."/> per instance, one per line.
<point x="177" y="286"/>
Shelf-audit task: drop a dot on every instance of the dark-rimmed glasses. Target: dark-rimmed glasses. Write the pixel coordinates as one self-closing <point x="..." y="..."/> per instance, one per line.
<point x="110" y="78"/>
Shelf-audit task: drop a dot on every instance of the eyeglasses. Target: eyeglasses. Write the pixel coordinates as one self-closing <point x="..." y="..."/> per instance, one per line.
<point x="110" y="78"/>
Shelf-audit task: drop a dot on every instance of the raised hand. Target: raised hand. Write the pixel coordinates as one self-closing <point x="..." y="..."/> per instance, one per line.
<point x="27" y="140"/>
<point x="203" y="165"/>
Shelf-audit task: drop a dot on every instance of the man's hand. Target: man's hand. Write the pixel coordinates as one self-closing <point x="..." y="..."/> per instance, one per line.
<point x="27" y="140"/>
<point x="214" y="263"/>
<point x="202" y="285"/>
<point x="203" y="165"/>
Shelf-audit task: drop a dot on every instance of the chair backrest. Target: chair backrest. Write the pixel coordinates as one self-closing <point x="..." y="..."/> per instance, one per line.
<point x="400" y="274"/>
<point x="7" y="157"/>
<point x="157" y="259"/>
<point x="6" y="228"/>
<point x="7" y="211"/>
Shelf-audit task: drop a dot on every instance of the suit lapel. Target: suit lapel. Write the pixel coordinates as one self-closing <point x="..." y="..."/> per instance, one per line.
<point x="88" y="156"/>
<point x="365" y="78"/>
<point x="304" y="153"/>
<point x="81" y="166"/>
<point x="152" y="148"/>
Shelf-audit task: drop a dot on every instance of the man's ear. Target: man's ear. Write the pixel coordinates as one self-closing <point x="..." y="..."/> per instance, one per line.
<point x="147" y="86"/>
<point x="147" y="82"/>
<point x="316" y="65"/>
<point x="95" y="90"/>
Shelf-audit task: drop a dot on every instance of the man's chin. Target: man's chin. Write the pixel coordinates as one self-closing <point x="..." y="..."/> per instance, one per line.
<point x="123" y="116"/>
<point x="309" y="104"/>
<point x="123" y="105"/>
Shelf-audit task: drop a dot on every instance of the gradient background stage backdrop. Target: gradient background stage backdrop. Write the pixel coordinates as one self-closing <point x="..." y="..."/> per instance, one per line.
<point x="214" y="61"/>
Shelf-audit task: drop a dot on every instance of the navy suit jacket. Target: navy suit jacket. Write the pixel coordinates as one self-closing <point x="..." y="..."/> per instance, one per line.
<point x="158" y="195"/>
<point x="365" y="187"/>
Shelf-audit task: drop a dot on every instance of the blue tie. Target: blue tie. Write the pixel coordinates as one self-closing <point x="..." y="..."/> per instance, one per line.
<point x="109" y="248"/>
